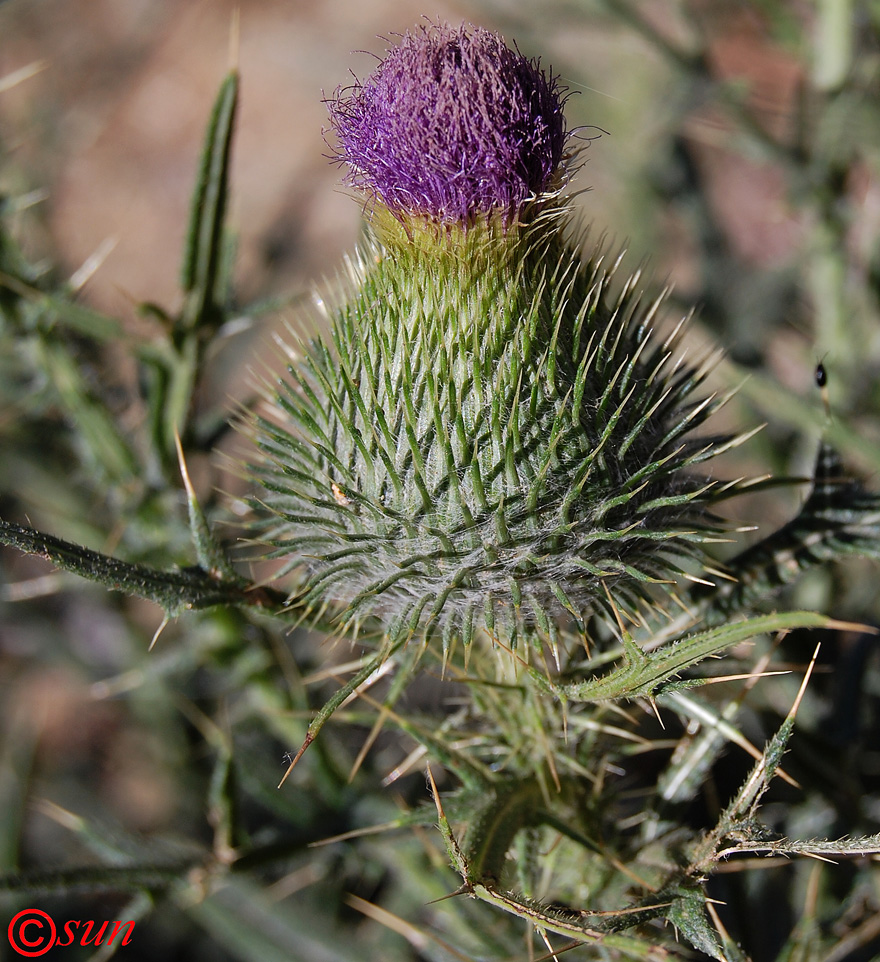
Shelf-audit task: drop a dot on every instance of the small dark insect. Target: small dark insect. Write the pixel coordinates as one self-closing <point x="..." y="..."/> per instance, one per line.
<point x="822" y="384"/>
<point x="287" y="758"/>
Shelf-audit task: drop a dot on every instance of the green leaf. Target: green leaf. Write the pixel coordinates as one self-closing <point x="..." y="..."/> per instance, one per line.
<point x="688" y="914"/>
<point x="646" y="674"/>
<point x="106" y="446"/>
<point x="83" y="320"/>
<point x="839" y="519"/>
<point x="203" y="261"/>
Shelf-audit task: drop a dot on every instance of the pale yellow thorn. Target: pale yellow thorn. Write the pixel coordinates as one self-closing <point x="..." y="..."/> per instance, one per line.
<point x="184" y="472"/>
<point x="158" y="632"/>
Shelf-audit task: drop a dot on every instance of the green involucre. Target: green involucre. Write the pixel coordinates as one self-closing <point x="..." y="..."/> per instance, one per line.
<point x="490" y="439"/>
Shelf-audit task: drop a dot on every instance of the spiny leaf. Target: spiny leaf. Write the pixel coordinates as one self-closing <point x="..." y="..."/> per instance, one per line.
<point x="644" y="674"/>
<point x="688" y="914"/>
<point x="838" y="519"/>
<point x="860" y="845"/>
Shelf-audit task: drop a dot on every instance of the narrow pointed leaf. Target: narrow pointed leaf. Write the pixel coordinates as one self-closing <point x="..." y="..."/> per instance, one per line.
<point x="657" y="670"/>
<point x="203" y="257"/>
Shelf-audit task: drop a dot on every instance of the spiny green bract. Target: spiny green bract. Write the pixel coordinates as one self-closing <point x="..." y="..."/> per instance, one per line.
<point x="490" y="441"/>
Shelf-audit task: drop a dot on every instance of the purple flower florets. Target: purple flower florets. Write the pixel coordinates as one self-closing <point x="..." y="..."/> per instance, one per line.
<point x="450" y="124"/>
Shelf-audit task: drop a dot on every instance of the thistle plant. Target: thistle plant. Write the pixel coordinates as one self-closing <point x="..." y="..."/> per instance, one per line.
<point x="489" y="462"/>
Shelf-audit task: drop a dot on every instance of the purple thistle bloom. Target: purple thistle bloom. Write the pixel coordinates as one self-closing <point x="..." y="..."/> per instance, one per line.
<point x="450" y="124"/>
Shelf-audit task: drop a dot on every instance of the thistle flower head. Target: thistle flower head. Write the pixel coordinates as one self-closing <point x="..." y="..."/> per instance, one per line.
<point x="491" y="442"/>
<point x="451" y="124"/>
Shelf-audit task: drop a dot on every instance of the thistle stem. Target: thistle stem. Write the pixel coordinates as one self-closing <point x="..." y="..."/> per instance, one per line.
<point x="176" y="591"/>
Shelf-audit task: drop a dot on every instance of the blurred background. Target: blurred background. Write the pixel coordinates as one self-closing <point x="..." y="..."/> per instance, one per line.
<point x="111" y="126"/>
<point x="734" y="148"/>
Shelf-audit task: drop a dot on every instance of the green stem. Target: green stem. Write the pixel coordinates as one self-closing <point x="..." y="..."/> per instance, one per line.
<point x="98" y="878"/>
<point x="175" y="591"/>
